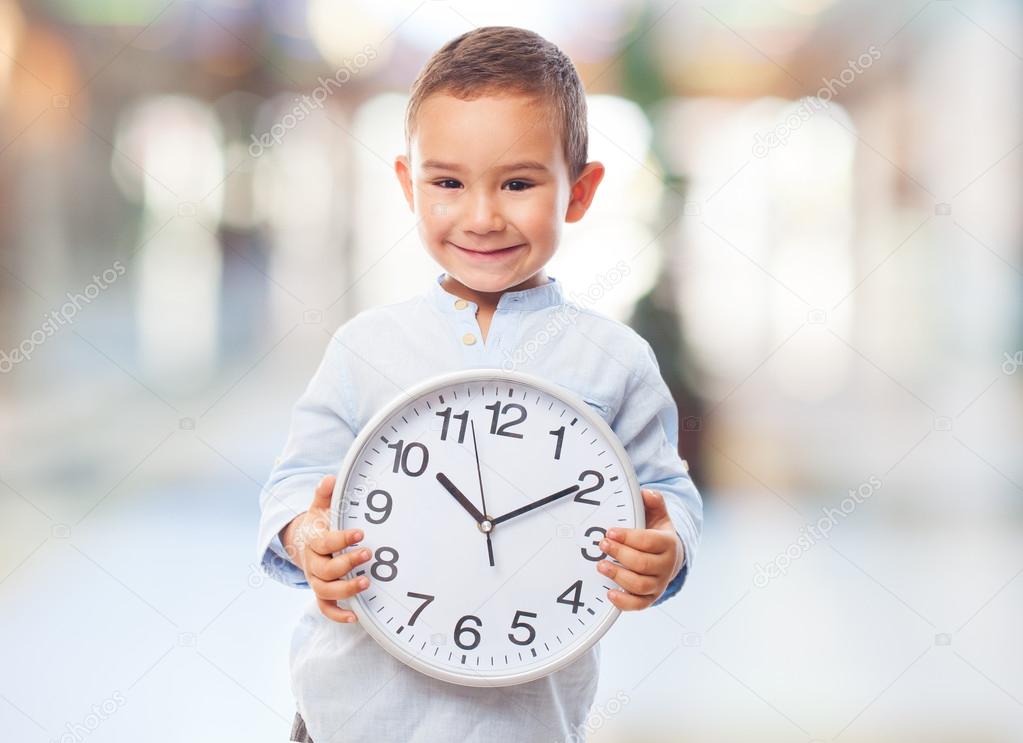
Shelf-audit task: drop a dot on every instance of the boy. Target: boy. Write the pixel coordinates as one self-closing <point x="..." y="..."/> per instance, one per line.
<point x="495" y="163"/>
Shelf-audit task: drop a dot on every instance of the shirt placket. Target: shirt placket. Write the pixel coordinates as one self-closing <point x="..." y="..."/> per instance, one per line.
<point x="469" y="330"/>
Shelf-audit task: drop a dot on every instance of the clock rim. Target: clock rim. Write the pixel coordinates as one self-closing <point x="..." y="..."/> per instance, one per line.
<point x="447" y="379"/>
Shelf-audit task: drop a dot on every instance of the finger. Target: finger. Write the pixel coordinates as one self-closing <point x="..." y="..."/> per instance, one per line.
<point x="629" y="602"/>
<point x="634" y="583"/>
<point x="331" y="610"/>
<point x="644" y="563"/>
<point x="324" y="492"/>
<point x="653" y="505"/>
<point x="332" y="568"/>
<point x="336" y="590"/>
<point x="329" y="542"/>
<point x="644" y="540"/>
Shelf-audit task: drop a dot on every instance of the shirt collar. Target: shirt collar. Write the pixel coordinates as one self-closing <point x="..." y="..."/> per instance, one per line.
<point x="547" y="295"/>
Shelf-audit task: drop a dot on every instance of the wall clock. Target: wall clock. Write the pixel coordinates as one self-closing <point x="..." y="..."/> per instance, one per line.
<point x="483" y="496"/>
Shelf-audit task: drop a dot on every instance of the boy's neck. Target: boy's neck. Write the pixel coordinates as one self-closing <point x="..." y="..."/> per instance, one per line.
<point x="487" y="301"/>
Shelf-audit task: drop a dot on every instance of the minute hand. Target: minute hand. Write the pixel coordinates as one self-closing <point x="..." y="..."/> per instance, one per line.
<point x="535" y="504"/>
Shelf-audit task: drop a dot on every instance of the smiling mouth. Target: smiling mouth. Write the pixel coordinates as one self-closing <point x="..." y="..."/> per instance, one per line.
<point x="498" y="251"/>
<point x="490" y="253"/>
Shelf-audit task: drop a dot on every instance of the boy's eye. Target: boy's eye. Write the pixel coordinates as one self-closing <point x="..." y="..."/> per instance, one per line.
<point x="518" y="185"/>
<point x="447" y="183"/>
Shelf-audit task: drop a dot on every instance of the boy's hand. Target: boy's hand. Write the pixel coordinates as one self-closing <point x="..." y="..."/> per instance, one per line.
<point x="310" y="543"/>
<point x="649" y="557"/>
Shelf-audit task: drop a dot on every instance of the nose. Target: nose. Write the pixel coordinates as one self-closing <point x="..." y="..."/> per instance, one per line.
<point x="482" y="214"/>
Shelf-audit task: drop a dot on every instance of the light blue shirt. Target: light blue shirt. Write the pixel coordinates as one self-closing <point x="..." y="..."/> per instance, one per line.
<point x="346" y="686"/>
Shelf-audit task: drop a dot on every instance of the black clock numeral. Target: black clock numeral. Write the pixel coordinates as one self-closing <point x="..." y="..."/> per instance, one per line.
<point x="498" y="411"/>
<point x="599" y="484"/>
<point x="390" y="563"/>
<point x="460" y="630"/>
<point x="447" y="416"/>
<point x="596" y="543"/>
<point x="575" y="589"/>
<point x="385" y="510"/>
<point x="516" y="624"/>
<point x="427" y="598"/>
<point x="559" y="434"/>
<point x="401" y="455"/>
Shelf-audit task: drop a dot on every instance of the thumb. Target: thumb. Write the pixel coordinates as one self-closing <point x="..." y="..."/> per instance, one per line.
<point x="324" y="491"/>
<point x="656" y="511"/>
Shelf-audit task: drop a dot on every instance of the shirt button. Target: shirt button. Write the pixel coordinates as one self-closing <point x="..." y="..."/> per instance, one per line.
<point x="461" y="304"/>
<point x="468" y="339"/>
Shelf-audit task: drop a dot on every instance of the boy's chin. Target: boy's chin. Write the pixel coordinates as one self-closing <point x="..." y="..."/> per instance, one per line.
<point x="487" y="284"/>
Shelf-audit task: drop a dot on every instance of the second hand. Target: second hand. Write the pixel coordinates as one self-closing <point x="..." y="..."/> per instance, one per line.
<point x="483" y="498"/>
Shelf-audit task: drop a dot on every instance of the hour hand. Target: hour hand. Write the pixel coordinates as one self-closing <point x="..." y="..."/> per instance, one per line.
<point x="535" y="504"/>
<point x="460" y="497"/>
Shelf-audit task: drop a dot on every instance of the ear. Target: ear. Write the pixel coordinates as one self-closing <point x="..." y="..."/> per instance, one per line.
<point x="583" y="191"/>
<point x="403" y="169"/>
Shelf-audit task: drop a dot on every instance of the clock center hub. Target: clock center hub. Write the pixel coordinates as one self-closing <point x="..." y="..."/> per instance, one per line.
<point x="486" y="525"/>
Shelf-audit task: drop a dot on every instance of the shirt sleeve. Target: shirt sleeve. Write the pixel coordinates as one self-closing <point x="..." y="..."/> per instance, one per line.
<point x="647" y="425"/>
<point x="318" y="439"/>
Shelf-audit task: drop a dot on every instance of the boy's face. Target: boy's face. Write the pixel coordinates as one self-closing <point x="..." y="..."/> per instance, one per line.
<point x="490" y="186"/>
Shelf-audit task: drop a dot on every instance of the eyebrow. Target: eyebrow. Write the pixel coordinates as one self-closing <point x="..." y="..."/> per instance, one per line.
<point x="524" y="165"/>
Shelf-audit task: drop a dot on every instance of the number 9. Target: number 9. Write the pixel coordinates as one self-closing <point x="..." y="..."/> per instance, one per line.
<point x="385" y="510"/>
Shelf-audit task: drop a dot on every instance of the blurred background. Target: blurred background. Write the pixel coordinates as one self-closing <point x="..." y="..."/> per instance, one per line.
<point x="818" y="206"/>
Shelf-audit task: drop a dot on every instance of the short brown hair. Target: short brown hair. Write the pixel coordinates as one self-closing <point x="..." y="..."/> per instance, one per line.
<point x="505" y="59"/>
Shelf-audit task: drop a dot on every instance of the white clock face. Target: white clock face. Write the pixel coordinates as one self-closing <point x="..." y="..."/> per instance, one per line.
<point x="483" y="497"/>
